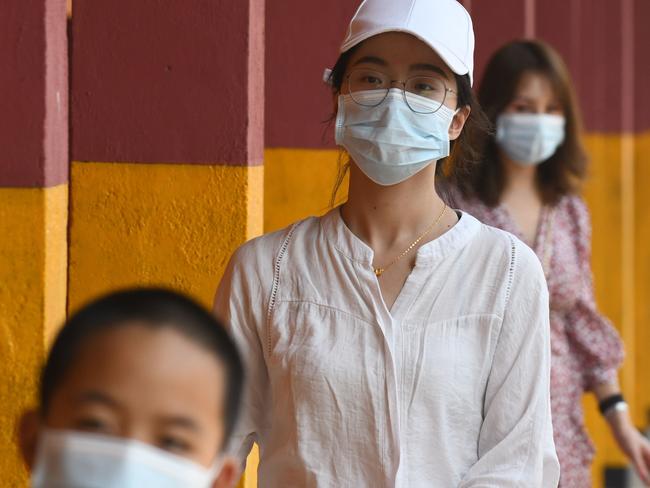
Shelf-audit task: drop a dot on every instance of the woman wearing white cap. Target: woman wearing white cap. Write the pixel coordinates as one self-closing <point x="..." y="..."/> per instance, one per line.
<point x="394" y="342"/>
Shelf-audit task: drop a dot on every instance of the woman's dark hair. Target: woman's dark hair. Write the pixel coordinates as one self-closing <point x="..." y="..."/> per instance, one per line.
<point x="155" y="308"/>
<point x="463" y="152"/>
<point x="562" y="173"/>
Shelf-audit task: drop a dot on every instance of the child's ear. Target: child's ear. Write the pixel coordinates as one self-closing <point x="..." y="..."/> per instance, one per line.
<point x="229" y="475"/>
<point x="28" y="432"/>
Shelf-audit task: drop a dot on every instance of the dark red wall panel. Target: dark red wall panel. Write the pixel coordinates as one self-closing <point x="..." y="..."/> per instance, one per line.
<point x="495" y="23"/>
<point x="303" y="38"/>
<point x="600" y="65"/>
<point x="575" y="36"/>
<point x="163" y="81"/>
<point x="33" y="98"/>
<point x="642" y="65"/>
<point x="563" y="32"/>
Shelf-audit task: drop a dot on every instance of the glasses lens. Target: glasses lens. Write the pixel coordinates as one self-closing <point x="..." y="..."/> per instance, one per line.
<point x="362" y="81"/>
<point x="429" y="87"/>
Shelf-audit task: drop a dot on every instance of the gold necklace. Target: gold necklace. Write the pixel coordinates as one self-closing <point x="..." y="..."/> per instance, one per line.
<point x="380" y="271"/>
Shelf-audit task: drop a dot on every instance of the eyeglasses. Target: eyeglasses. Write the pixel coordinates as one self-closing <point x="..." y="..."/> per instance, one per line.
<point x="430" y="87"/>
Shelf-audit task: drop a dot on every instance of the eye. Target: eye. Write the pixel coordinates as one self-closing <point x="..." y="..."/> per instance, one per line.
<point x="523" y="108"/>
<point x="372" y="80"/>
<point x="93" y="424"/>
<point x="174" y="444"/>
<point x="427" y="87"/>
<point x="424" y="87"/>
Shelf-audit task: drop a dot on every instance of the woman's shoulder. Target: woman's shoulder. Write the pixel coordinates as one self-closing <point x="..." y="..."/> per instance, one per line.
<point x="575" y="210"/>
<point x="497" y="244"/>
<point x="573" y="203"/>
<point x="266" y="248"/>
<point x="522" y="258"/>
<point x="497" y="262"/>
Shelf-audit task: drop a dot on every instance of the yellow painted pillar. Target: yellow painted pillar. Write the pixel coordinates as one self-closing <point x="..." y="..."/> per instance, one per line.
<point x="168" y="121"/>
<point x="33" y="206"/>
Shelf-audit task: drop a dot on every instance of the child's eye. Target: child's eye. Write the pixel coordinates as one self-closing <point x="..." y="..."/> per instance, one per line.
<point x="92" y="424"/>
<point x="174" y="444"/>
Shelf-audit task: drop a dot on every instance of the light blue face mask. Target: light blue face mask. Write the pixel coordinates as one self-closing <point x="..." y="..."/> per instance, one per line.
<point x="389" y="142"/>
<point x="529" y="139"/>
<point x="80" y="460"/>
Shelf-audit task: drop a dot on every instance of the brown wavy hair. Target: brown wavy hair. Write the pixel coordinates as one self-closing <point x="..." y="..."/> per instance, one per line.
<point x="564" y="172"/>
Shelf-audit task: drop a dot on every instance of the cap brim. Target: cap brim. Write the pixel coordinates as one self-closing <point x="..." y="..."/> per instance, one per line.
<point x="450" y="59"/>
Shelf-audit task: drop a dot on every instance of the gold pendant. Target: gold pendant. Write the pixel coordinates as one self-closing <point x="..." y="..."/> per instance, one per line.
<point x="378" y="271"/>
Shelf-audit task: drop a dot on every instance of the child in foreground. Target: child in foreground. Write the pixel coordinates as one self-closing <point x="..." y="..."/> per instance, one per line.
<point x="140" y="389"/>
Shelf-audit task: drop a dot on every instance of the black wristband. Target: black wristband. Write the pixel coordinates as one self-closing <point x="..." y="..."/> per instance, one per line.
<point x="607" y="403"/>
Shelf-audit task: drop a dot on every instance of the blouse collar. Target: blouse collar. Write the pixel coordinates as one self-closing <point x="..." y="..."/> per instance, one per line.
<point x="348" y="244"/>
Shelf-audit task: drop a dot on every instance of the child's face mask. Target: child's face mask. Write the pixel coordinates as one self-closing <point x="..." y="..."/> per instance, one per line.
<point x="82" y="460"/>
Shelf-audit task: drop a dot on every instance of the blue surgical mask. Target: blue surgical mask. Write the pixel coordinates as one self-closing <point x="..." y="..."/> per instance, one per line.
<point x="81" y="460"/>
<point x="390" y="142"/>
<point x="529" y="139"/>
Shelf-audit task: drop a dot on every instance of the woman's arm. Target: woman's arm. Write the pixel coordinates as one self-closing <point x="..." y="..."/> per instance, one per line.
<point x="601" y="349"/>
<point x="593" y="337"/>
<point x="240" y="303"/>
<point x="516" y="447"/>
<point x="632" y="443"/>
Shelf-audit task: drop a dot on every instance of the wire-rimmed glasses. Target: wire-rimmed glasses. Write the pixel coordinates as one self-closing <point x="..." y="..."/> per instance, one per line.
<point x="431" y="87"/>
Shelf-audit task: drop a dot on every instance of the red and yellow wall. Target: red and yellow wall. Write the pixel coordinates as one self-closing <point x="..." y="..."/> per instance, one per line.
<point x="163" y="177"/>
<point x="167" y="173"/>
<point x="33" y="205"/>
<point x="194" y="129"/>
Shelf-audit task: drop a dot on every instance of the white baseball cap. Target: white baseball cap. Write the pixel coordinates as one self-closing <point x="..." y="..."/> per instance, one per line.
<point x="444" y="25"/>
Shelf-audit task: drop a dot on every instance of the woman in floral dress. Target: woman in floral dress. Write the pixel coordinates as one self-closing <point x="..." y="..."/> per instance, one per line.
<point x="528" y="185"/>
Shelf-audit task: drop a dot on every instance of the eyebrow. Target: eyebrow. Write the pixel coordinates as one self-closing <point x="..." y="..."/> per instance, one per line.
<point x="429" y="67"/>
<point x="527" y="99"/>
<point x="95" y="396"/>
<point x="414" y="67"/>
<point x="371" y="60"/>
<point x="182" y="422"/>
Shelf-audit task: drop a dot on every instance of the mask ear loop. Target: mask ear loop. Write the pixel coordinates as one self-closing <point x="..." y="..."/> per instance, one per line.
<point x="217" y="465"/>
<point x="327" y="76"/>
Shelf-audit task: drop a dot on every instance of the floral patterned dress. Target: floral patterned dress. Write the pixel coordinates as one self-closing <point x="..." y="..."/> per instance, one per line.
<point x="586" y="349"/>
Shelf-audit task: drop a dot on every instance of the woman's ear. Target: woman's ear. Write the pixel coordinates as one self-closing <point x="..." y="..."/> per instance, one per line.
<point x="458" y="122"/>
<point x="229" y="474"/>
<point x="28" y="433"/>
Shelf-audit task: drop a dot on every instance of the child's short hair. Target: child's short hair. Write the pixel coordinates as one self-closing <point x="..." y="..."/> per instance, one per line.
<point x="155" y="308"/>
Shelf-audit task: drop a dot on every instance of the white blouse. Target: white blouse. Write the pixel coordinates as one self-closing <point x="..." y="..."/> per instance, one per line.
<point x="448" y="388"/>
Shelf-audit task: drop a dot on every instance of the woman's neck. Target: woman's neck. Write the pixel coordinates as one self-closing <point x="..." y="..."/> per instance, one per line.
<point x="519" y="178"/>
<point x="383" y="216"/>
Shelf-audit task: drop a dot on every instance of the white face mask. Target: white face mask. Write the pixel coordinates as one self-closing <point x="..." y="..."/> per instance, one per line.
<point x="390" y="142"/>
<point x="80" y="460"/>
<point x="530" y="139"/>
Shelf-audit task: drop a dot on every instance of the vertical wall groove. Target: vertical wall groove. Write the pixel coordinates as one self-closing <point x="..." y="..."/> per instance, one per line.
<point x="529" y="19"/>
<point x="628" y="189"/>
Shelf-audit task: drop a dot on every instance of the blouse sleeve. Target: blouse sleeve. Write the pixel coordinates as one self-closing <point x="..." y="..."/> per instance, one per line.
<point x="596" y="342"/>
<point x="516" y="447"/>
<point x="239" y="302"/>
